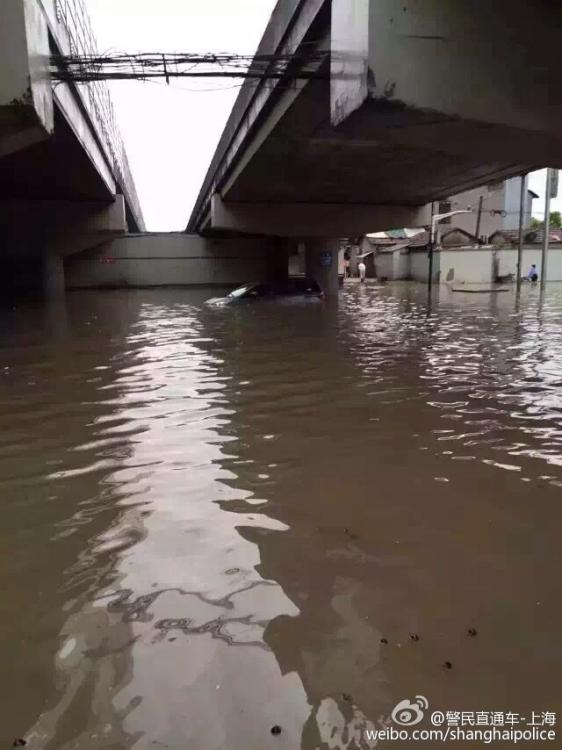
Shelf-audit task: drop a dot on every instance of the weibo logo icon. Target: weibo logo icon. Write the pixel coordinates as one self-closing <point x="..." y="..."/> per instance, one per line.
<point x="409" y="713"/>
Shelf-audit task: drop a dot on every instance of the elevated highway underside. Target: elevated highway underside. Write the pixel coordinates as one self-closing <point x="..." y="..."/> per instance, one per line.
<point x="54" y="168"/>
<point x="376" y="170"/>
<point x="417" y="102"/>
<point x="65" y="184"/>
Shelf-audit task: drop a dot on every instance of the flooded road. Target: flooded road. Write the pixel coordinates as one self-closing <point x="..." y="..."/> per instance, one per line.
<point x="264" y="527"/>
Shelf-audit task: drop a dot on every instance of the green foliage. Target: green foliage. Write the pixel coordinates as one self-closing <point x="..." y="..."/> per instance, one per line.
<point x="555" y="221"/>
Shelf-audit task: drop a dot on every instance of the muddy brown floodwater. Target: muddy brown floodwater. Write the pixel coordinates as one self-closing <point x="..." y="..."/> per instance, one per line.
<point x="221" y="528"/>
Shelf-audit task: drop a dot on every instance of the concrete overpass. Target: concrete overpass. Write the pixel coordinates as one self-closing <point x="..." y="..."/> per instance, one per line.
<point x="420" y="99"/>
<point x="65" y="182"/>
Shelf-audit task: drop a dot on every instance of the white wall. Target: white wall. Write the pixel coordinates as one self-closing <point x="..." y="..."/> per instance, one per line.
<point x="170" y="259"/>
<point x="401" y="264"/>
<point x="467" y="266"/>
<point x="508" y="262"/>
<point x="471" y="266"/>
<point x="419" y="265"/>
<point x="392" y="265"/>
<point x="384" y="267"/>
<point x="476" y="266"/>
<point x="449" y="266"/>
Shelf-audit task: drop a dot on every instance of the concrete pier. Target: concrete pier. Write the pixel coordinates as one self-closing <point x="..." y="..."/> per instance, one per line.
<point x="53" y="274"/>
<point x="321" y="264"/>
<point x="277" y="262"/>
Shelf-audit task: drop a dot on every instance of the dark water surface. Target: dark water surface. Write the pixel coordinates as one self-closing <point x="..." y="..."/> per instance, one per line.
<point x="211" y="518"/>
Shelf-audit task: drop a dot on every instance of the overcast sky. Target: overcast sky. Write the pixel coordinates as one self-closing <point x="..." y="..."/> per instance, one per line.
<point x="171" y="132"/>
<point x="537" y="183"/>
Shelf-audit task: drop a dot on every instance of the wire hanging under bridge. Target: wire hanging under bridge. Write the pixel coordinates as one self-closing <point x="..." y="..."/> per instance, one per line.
<point x="154" y="65"/>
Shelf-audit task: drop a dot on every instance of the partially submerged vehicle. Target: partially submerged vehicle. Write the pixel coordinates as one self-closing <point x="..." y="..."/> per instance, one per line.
<point x="293" y="288"/>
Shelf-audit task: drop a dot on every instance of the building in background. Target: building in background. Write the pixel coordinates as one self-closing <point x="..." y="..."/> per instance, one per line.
<point x="500" y="208"/>
<point x="478" y="247"/>
<point x="494" y="214"/>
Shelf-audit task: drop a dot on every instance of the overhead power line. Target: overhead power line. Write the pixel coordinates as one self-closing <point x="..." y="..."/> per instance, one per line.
<point x="154" y="65"/>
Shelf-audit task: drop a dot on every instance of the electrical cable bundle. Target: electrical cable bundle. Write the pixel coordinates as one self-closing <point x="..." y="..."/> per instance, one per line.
<point x="148" y="66"/>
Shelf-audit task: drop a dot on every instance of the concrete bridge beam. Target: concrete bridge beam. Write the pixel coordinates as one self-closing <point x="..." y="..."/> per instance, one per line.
<point x="446" y="77"/>
<point x="26" y="100"/>
<point x="312" y="219"/>
<point x="419" y="101"/>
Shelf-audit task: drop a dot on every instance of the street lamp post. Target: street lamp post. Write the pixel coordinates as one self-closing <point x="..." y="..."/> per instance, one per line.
<point x="545" y="239"/>
<point x="521" y="223"/>
<point x="435" y="219"/>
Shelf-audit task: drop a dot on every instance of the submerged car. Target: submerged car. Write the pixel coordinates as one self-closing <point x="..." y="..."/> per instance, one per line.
<point x="294" y="288"/>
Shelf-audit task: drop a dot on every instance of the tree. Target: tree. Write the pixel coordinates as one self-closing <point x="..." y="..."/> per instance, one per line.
<point x="555" y="221"/>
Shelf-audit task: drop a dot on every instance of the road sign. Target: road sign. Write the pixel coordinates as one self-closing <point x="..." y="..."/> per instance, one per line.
<point x="554" y="183"/>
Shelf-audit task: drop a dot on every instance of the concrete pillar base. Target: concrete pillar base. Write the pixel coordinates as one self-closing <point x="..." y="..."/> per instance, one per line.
<point x="278" y="262"/>
<point x="53" y="274"/>
<point x="321" y="264"/>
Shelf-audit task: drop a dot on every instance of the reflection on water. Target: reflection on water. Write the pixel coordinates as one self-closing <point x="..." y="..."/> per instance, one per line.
<point x="216" y="522"/>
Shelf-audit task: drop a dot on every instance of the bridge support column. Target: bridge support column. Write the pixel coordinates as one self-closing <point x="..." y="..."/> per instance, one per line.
<point x="278" y="261"/>
<point x="53" y="274"/>
<point x="321" y="264"/>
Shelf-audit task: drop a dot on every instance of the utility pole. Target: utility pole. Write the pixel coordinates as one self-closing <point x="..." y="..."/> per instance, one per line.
<point x="435" y="219"/>
<point x="479" y="218"/>
<point x="430" y="253"/>
<point x="544" y="253"/>
<point x="520" y="240"/>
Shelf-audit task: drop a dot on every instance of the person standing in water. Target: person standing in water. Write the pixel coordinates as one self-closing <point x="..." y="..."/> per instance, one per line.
<point x="533" y="275"/>
<point x="362" y="268"/>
